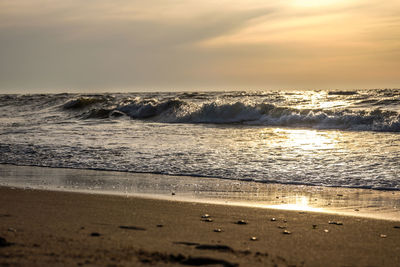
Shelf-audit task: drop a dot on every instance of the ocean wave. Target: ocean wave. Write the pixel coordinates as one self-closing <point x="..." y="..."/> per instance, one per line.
<point x="342" y="92"/>
<point x="247" y="113"/>
<point x="83" y="102"/>
<point x="102" y="114"/>
<point x="143" y="109"/>
<point x="394" y="101"/>
<point x="271" y="115"/>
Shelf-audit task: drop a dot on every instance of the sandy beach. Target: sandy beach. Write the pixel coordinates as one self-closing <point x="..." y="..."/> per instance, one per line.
<point x="200" y="133"/>
<point x="61" y="228"/>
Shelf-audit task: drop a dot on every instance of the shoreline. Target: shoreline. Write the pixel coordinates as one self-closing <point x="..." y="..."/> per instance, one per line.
<point x="40" y="227"/>
<point x="202" y="177"/>
<point x="335" y="200"/>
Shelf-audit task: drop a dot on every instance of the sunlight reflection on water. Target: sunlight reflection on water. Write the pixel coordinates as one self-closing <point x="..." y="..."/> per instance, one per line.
<point x="303" y="139"/>
<point x="301" y="204"/>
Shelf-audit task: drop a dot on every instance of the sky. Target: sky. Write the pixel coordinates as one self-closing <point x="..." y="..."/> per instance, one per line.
<point x="167" y="45"/>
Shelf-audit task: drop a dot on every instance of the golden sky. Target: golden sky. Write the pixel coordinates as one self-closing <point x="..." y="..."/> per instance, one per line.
<point x="76" y="45"/>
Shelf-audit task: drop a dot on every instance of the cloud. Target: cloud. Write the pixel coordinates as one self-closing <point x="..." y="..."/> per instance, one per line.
<point x="102" y="45"/>
<point x="108" y="44"/>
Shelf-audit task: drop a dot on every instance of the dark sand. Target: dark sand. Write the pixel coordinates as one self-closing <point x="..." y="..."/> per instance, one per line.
<point x="39" y="228"/>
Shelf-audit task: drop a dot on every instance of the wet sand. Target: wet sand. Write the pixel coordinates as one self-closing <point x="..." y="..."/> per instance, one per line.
<point x="377" y="204"/>
<point x="40" y="228"/>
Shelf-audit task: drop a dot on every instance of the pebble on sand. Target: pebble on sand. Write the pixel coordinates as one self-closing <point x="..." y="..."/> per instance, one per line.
<point x="273" y="219"/>
<point x="218" y="230"/>
<point x="205" y="216"/>
<point x="326" y="231"/>
<point x="160" y="225"/>
<point x="286" y="232"/>
<point x="383" y="236"/>
<point x="94" y="234"/>
<point x="337" y="223"/>
<point x="4" y="243"/>
<point x="314" y="226"/>
<point x="208" y="220"/>
<point x="253" y="238"/>
<point x="241" y="222"/>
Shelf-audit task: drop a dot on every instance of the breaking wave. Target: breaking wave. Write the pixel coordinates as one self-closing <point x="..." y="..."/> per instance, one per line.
<point x="263" y="114"/>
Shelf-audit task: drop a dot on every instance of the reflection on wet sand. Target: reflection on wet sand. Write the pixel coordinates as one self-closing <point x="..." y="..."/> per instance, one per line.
<point x="351" y="201"/>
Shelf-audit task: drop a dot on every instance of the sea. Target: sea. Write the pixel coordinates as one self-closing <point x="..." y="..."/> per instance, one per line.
<point x="328" y="138"/>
